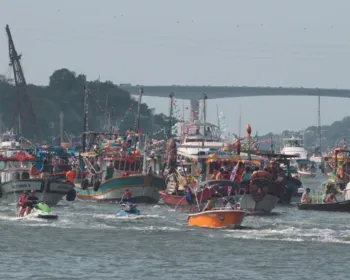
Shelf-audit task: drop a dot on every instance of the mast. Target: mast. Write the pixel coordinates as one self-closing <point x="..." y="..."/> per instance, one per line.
<point x="240" y="122"/>
<point x="218" y="116"/>
<point x="137" y="122"/>
<point x="20" y="131"/>
<point x="171" y="95"/>
<point x="61" y="115"/>
<point x="86" y="109"/>
<point x="319" y="122"/>
<point x="205" y="111"/>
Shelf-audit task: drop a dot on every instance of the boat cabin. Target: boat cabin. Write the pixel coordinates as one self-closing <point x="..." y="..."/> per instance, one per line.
<point x="199" y="132"/>
<point x="292" y="142"/>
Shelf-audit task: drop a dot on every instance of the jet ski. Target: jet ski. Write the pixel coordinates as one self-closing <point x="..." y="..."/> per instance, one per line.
<point x="41" y="210"/>
<point x="128" y="209"/>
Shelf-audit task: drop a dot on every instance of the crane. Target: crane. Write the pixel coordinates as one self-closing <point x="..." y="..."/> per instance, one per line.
<point x="25" y="115"/>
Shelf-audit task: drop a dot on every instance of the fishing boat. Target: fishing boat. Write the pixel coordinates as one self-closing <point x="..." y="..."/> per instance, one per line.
<point x="217" y="218"/>
<point x="117" y="165"/>
<point x="19" y="171"/>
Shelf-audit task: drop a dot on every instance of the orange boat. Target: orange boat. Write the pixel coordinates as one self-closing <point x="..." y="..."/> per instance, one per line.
<point x="217" y="218"/>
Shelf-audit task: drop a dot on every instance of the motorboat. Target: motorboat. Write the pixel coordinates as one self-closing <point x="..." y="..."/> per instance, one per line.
<point x="42" y="211"/>
<point x="306" y="168"/>
<point x="199" y="137"/>
<point x="294" y="146"/>
<point x="128" y="209"/>
<point x="341" y="206"/>
<point x="217" y="218"/>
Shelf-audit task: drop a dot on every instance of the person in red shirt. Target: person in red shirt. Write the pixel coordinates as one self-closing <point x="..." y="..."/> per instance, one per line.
<point x="21" y="202"/>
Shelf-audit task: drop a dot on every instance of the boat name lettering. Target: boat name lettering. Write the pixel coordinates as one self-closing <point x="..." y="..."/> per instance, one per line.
<point x="22" y="186"/>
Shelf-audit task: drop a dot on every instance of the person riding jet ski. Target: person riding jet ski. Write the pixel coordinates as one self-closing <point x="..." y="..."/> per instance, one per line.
<point x="21" y="203"/>
<point x="127" y="198"/>
<point x="31" y="200"/>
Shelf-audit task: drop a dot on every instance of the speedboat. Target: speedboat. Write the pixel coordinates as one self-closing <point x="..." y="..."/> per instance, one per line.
<point x="217" y="218"/>
<point x="128" y="209"/>
<point x="42" y="211"/>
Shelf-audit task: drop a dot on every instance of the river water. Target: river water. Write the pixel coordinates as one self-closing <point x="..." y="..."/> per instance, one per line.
<point x="89" y="242"/>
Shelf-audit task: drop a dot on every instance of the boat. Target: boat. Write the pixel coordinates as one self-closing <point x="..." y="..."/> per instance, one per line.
<point x="41" y="211"/>
<point x="306" y="168"/>
<point x="263" y="200"/>
<point x="294" y="146"/>
<point x="217" y="218"/>
<point x="129" y="171"/>
<point x="16" y="174"/>
<point x="128" y="209"/>
<point x="341" y="206"/>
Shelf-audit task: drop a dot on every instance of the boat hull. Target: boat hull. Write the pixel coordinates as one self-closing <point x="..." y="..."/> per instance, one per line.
<point x="142" y="187"/>
<point x="51" y="191"/>
<point x="304" y="174"/>
<point x="265" y="205"/>
<point x="342" y="206"/>
<point x="217" y="219"/>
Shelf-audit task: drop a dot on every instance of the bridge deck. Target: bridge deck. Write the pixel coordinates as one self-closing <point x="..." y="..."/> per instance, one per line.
<point x="215" y="92"/>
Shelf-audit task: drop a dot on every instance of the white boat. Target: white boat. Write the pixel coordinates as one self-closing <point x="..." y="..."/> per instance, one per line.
<point x="199" y="137"/>
<point x="306" y="168"/>
<point x="317" y="159"/>
<point x="294" y="146"/>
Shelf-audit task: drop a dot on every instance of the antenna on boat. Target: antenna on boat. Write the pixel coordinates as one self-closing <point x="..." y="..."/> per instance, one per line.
<point x="240" y="122"/>
<point x="319" y="121"/>
<point x="218" y="116"/>
<point x="86" y="108"/>
<point x="205" y="97"/>
<point x="137" y="122"/>
<point x="171" y="95"/>
<point x="61" y="115"/>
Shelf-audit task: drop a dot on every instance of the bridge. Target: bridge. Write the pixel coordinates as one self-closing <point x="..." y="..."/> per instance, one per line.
<point x="215" y="92"/>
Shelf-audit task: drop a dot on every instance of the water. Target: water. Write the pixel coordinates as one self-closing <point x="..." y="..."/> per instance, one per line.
<point x="89" y="242"/>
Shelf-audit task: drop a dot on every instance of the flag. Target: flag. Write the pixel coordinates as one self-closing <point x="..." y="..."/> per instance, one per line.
<point x="234" y="171"/>
<point x="139" y="132"/>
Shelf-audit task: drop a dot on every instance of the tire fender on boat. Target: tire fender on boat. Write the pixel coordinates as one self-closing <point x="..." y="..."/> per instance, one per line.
<point x="97" y="185"/>
<point x="85" y="184"/>
<point x="71" y="195"/>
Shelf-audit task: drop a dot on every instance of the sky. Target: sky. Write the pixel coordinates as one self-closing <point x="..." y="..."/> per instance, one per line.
<point x="198" y="42"/>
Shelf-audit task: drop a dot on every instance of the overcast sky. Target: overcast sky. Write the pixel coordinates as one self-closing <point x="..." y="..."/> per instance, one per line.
<point x="193" y="42"/>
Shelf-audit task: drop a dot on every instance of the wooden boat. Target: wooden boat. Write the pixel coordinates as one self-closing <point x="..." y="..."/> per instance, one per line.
<point x="342" y="206"/>
<point x="217" y="218"/>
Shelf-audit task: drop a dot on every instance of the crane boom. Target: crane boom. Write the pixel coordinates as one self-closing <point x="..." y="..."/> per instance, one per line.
<point x="26" y="116"/>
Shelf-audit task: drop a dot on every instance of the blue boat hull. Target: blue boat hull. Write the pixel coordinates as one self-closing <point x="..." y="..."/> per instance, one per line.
<point x="144" y="189"/>
<point x="123" y="213"/>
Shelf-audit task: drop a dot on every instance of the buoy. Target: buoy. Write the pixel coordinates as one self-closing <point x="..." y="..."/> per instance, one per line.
<point x="21" y="156"/>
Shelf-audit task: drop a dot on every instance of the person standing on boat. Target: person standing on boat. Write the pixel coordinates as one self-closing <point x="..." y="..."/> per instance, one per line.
<point x="21" y="203"/>
<point x="219" y="175"/>
<point x="109" y="171"/>
<point x="246" y="174"/>
<point x="70" y="175"/>
<point x="306" y="198"/>
<point x="188" y="194"/>
<point x="45" y="170"/>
